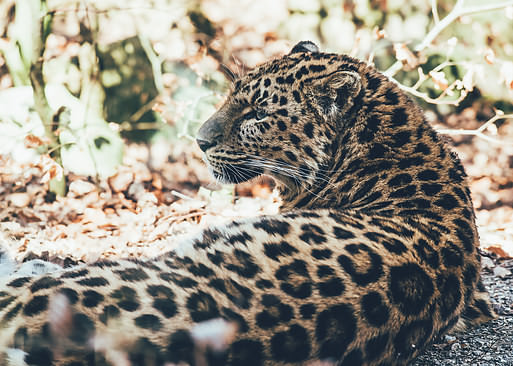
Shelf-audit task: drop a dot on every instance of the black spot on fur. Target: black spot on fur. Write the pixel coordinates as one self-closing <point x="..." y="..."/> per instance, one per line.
<point x="163" y="299"/>
<point x="243" y="264"/>
<point x="275" y="250"/>
<point x="405" y="192"/>
<point x="401" y="138"/>
<point x="132" y="274"/>
<point x="353" y="358"/>
<point x="335" y="329"/>
<point x="342" y="233"/>
<point x="273" y="226"/>
<point x="409" y="162"/>
<point x="275" y="312"/>
<point x="312" y="234"/>
<point x="377" y="151"/>
<point x="180" y="348"/>
<point x="370" y="129"/>
<point x="178" y="279"/>
<point x="375" y="311"/>
<point x="39" y="356"/>
<point x="375" y="347"/>
<point x="18" y="282"/>
<point x="399" y="117"/>
<point x="296" y="96"/>
<point x="291" y="155"/>
<point x="449" y="287"/>
<point x="292" y="345"/>
<point x="373" y="82"/>
<point x="428" y="174"/>
<point x="295" y="279"/>
<point x="12" y="313"/>
<point x="202" y="306"/>
<point x="410" y="288"/>
<point x="126" y="298"/>
<point x="247" y="352"/>
<point x="82" y="328"/>
<point x="308" y="129"/>
<point x="294" y="139"/>
<point x="91" y="298"/>
<point x="412" y="338"/>
<point x="238" y="294"/>
<point x="44" y="282"/>
<point x="109" y="312"/>
<point x="6" y="301"/>
<point x="36" y="305"/>
<point x="307" y="311"/>
<point x="200" y="270"/>
<point x="93" y="282"/>
<point x="447" y="201"/>
<point x="74" y="274"/>
<point x="427" y="253"/>
<point x="322" y="253"/>
<point x="452" y="256"/>
<point x="400" y="180"/>
<point x="431" y="189"/>
<point x="331" y="287"/>
<point x="148" y="321"/>
<point x="361" y="254"/>
<point x="264" y="284"/>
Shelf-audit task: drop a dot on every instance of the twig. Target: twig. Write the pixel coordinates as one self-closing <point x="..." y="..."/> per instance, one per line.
<point x="434" y="10"/>
<point x="427" y="98"/>
<point x="181" y="195"/>
<point x="478" y="132"/>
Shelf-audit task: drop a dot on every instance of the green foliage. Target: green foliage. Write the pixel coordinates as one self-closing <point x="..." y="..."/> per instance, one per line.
<point x="128" y="79"/>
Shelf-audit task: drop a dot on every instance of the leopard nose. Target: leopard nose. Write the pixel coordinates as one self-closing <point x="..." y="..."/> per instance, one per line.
<point x="204" y="145"/>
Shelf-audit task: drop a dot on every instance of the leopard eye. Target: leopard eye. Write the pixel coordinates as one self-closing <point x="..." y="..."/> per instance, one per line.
<point x="260" y="114"/>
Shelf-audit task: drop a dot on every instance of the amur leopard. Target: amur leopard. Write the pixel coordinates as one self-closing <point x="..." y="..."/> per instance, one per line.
<point x="373" y="255"/>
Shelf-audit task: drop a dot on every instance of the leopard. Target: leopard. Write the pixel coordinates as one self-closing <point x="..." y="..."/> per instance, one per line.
<point x="372" y="256"/>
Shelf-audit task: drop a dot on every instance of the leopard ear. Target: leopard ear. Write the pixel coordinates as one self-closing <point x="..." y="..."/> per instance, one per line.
<point x="335" y="93"/>
<point x="304" y="46"/>
<point x="347" y="85"/>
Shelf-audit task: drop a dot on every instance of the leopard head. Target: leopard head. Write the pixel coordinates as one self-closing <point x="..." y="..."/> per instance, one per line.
<point x="280" y="119"/>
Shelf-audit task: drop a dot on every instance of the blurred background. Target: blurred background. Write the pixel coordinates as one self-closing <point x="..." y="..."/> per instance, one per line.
<point x="100" y="101"/>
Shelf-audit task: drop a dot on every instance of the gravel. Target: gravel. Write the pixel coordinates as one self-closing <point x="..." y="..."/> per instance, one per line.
<point x="488" y="345"/>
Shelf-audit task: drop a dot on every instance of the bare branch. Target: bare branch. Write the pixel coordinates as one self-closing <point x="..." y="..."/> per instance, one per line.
<point x="478" y="132"/>
<point x="458" y="11"/>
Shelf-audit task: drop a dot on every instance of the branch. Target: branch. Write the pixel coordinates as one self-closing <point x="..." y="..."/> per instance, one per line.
<point x="454" y="14"/>
<point x="479" y="131"/>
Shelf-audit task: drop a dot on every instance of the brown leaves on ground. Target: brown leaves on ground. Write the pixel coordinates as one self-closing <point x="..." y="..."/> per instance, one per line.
<point x="490" y="169"/>
<point x="135" y="213"/>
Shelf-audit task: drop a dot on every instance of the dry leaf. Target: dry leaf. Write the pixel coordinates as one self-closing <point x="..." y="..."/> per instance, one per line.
<point x="32" y="141"/>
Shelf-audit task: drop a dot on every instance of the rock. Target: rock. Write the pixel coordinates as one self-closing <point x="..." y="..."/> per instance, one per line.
<point x="450" y="338"/>
<point x="121" y="181"/>
<point x="501" y="271"/>
<point x="455" y="347"/>
<point x="80" y="188"/>
<point x="487" y="263"/>
<point x="20" y="199"/>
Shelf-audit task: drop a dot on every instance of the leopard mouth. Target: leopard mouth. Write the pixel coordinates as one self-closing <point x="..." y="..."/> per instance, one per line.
<point x="233" y="173"/>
